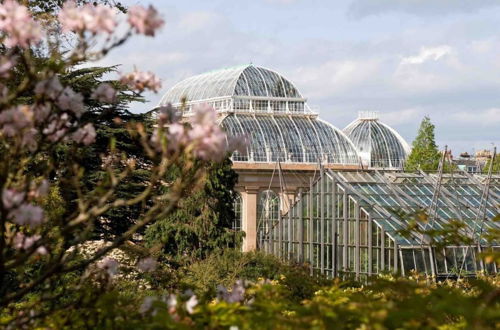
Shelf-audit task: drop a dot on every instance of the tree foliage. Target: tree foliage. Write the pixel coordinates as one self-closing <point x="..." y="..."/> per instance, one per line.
<point x="114" y="128"/>
<point x="424" y="155"/>
<point x="202" y="222"/>
<point x="496" y="165"/>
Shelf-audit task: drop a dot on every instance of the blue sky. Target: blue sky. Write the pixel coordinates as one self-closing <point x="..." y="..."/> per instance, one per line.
<point x="402" y="58"/>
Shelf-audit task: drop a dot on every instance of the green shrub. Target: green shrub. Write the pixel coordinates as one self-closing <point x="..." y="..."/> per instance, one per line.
<point x="231" y="265"/>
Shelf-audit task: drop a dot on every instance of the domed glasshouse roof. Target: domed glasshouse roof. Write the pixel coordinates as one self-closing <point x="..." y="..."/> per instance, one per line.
<point x="245" y="81"/>
<point x="292" y="139"/>
<point x="268" y="109"/>
<point x="378" y="145"/>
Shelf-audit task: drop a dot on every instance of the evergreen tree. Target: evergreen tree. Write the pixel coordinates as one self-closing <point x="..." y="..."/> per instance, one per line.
<point x="112" y="129"/>
<point x="202" y="222"/>
<point x="424" y="154"/>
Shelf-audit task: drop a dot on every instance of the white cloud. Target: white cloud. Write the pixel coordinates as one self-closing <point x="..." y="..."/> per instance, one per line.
<point x="427" y="53"/>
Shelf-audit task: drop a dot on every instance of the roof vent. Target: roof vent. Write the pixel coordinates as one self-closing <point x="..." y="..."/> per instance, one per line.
<point x="368" y="115"/>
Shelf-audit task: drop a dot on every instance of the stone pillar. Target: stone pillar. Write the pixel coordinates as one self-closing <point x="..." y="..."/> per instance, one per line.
<point x="249" y="223"/>
<point x="287" y="198"/>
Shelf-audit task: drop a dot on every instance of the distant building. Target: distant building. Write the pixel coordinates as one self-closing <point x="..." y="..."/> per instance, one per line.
<point x="472" y="164"/>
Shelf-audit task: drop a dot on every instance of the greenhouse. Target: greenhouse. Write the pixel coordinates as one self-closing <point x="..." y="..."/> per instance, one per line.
<point x="378" y="145"/>
<point x="267" y="109"/>
<point x="356" y="223"/>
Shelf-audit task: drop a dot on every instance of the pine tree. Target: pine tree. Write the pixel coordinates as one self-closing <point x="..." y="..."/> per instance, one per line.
<point x="425" y="154"/>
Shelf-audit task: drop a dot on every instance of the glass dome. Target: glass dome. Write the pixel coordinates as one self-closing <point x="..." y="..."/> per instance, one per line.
<point x="268" y="109"/>
<point x="290" y="139"/>
<point x="378" y="145"/>
<point x="238" y="89"/>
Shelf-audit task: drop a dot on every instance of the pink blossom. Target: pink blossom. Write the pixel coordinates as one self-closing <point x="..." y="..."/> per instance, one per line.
<point x="18" y="122"/>
<point x="57" y="128"/>
<point x="141" y="81"/>
<point x="177" y="137"/>
<point x="20" y="28"/>
<point x="85" y="135"/>
<point x="50" y="88"/>
<point x="208" y="138"/>
<point x="96" y="19"/>
<point x="72" y="101"/>
<point x="147" y="264"/>
<point x="28" y="139"/>
<point x="22" y="242"/>
<point x="167" y="114"/>
<point x="238" y="143"/>
<point x="71" y="17"/>
<point x="6" y="64"/>
<point x="145" y="21"/>
<point x="13" y="120"/>
<point x="104" y="93"/>
<point x="108" y="264"/>
<point x="11" y="198"/>
<point x="27" y="214"/>
<point x="41" y="112"/>
<point x="42" y="189"/>
<point x="103" y="19"/>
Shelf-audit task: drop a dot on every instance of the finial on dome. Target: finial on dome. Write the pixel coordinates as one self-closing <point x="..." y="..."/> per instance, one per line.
<point x="368" y="115"/>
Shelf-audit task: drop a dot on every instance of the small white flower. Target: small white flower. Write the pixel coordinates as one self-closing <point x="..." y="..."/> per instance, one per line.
<point x="171" y="301"/>
<point x="191" y="304"/>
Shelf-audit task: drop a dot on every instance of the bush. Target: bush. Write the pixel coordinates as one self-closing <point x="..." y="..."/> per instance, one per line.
<point x="231" y="265"/>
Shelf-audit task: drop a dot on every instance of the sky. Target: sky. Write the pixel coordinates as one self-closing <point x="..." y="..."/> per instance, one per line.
<point x="404" y="59"/>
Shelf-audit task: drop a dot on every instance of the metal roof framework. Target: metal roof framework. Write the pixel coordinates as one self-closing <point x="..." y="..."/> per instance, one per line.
<point x="357" y="223"/>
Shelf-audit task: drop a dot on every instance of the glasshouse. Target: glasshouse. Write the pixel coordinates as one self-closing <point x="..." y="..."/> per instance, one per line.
<point x="355" y="223"/>
<point x="351" y="219"/>
<point x="378" y="145"/>
<point x="268" y="109"/>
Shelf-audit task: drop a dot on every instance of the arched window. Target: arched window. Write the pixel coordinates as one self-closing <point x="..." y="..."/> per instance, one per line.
<point x="237" y="205"/>
<point x="268" y="209"/>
